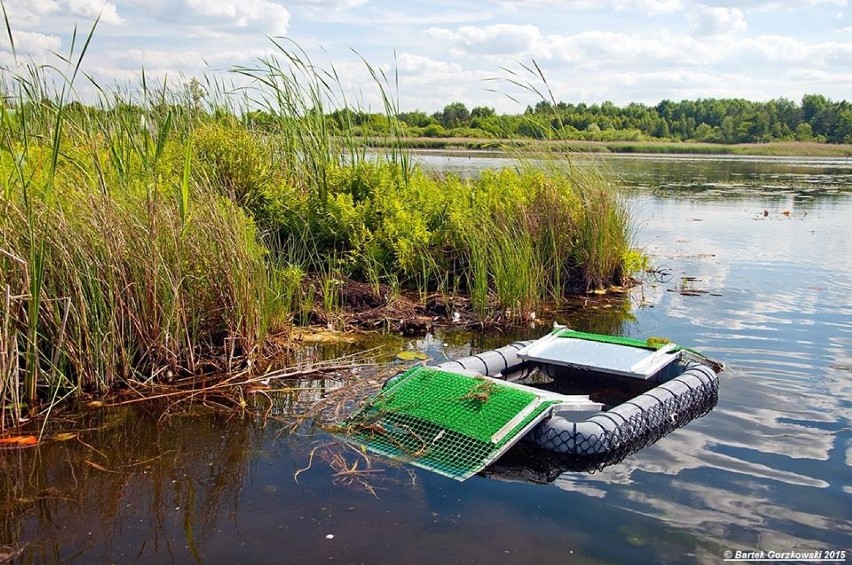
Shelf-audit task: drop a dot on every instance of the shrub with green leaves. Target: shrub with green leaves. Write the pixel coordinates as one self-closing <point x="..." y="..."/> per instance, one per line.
<point x="230" y="157"/>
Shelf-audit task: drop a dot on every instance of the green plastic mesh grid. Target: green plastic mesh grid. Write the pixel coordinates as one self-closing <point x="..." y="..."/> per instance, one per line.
<point x="449" y="423"/>
<point x="613" y="339"/>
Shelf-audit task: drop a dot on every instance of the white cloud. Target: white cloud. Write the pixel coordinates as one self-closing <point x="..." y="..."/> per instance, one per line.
<point x="270" y="16"/>
<point x="590" y="50"/>
<point x="93" y="8"/>
<point x="336" y="5"/>
<point x="29" y="12"/>
<point x="496" y="39"/>
<point x="33" y="44"/>
<point x="716" y="20"/>
<point x="32" y="12"/>
<point x="648" y="6"/>
<point x="156" y="60"/>
<point x="113" y="75"/>
<point x="401" y="18"/>
<point x="153" y="60"/>
<point x="616" y="49"/>
<point x="408" y="63"/>
<point x="788" y="50"/>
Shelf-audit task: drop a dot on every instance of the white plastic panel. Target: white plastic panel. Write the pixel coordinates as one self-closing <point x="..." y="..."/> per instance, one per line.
<point x="604" y="357"/>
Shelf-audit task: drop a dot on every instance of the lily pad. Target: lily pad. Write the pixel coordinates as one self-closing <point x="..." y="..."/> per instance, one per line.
<point x="412" y="356"/>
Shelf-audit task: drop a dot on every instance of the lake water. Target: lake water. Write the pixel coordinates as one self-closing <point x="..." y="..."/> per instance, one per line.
<point x="765" y="243"/>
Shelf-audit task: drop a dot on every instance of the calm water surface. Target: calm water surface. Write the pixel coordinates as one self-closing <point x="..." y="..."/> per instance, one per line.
<point x="766" y="241"/>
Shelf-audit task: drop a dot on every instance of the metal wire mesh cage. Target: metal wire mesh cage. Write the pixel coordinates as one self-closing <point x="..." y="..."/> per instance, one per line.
<point x="446" y="422"/>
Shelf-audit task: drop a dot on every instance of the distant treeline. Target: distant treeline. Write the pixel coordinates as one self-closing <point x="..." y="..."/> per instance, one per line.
<point x="713" y="120"/>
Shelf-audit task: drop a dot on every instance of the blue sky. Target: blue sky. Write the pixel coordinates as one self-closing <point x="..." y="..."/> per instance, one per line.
<point x="590" y="51"/>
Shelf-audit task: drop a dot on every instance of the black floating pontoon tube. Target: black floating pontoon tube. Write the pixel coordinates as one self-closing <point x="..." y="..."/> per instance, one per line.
<point x="656" y="409"/>
<point x="493" y="363"/>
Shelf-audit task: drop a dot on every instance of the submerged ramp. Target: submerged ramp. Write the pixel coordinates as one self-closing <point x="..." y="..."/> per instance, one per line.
<point x="451" y="423"/>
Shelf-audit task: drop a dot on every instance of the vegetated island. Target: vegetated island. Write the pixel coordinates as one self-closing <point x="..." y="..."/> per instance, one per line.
<point x="165" y="243"/>
<point x="649" y="147"/>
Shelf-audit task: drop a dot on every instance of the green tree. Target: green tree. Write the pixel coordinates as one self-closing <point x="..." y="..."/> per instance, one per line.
<point x="728" y="130"/>
<point x="482" y="112"/>
<point x="455" y="115"/>
<point x="707" y="133"/>
<point x="416" y="119"/>
<point x="843" y="132"/>
<point x="812" y="105"/>
<point x="804" y="132"/>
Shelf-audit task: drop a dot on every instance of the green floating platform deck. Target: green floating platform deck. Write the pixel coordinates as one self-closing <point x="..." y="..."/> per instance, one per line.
<point x="450" y="423"/>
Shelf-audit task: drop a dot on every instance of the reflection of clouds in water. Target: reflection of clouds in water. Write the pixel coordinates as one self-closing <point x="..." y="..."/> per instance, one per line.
<point x="781" y="326"/>
<point x="587" y="484"/>
<point x="765" y="434"/>
<point x="744" y="510"/>
<point x="729" y="233"/>
<point x="768" y="411"/>
<point x="767" y="313"/>
<point x="848" y="488"/>
<point x="684" y="449"/>
<point x="782" y="331"/>
<point x="721" y="514"/>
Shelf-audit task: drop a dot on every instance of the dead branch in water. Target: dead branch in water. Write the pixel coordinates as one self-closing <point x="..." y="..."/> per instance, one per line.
<point x="345" y="461"/>
<point x="231" y="388"/>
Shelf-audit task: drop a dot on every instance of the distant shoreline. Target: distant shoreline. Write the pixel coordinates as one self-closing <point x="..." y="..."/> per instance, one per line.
<point x="503" y="146"/>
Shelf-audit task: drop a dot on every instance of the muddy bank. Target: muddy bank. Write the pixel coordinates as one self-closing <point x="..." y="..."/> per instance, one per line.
<point x="366" y="307"/>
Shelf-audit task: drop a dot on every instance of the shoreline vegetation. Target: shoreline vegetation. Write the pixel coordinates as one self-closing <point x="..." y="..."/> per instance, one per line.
<point x="163" y="238"/>
<point x="557" y="147"/>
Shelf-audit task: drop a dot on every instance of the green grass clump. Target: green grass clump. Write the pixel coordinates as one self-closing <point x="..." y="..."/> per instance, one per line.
<point x="511" y="239"/>
<point x="127" y="288"/>
<point x="539" y="234"/>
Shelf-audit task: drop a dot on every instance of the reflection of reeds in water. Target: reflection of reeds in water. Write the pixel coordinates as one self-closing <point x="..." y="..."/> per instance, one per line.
<point x="62" y="497"/>
<point x="339" y="404"/>
<point x="176" y="461"/>
<point x="10" y="369"/>
<point x="325" y="404"/>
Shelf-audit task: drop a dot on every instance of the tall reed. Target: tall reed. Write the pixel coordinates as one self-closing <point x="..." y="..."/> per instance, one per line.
<point x="604" y="231"/>
<point x="535" y="234"/>
<point x="295" y="93"/>
<point x="602" y="227"/>
<point x="116" y="262"/>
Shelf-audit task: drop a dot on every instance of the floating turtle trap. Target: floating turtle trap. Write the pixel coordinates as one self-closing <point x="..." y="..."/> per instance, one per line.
<point x="450" y="423"/>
